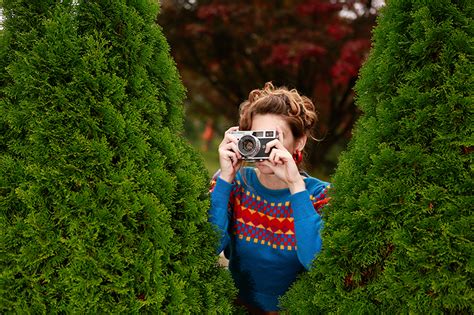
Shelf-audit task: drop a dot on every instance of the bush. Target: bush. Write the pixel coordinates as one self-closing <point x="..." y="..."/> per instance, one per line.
<point x="398" y="233"/>
<point x="103" y="203"/>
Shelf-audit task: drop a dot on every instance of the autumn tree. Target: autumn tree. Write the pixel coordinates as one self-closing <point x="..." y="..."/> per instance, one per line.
<point x="103" y="203"/>
<point x="227" y="48"/>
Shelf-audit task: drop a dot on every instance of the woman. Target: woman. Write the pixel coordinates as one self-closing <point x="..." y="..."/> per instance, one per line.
<point x="267" y="215"/>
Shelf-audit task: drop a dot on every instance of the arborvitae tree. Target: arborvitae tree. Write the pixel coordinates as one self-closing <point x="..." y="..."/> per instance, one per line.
<point x="103" y="204"/>
<point x="398" y="233"/>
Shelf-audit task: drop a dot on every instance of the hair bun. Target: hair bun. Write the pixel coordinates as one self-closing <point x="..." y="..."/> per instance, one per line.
<point x="299" y="109"/>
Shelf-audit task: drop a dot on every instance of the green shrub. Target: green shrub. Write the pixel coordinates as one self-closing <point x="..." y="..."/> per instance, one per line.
<point x="398" y="233"/>
<point x="103" y="203"/>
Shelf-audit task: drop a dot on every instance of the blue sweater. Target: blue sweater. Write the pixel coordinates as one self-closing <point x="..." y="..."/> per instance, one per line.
<point x="269" y="236"/>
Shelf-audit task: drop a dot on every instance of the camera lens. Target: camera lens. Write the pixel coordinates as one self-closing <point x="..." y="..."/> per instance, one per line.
<point x="248" y="146"/>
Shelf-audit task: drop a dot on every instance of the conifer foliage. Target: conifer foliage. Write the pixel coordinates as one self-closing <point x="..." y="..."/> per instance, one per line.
<point x="398" y="233"/>
<point x="103" y="204"/>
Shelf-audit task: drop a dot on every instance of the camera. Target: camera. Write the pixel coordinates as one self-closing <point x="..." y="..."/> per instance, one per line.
<point x="252" y="143"/>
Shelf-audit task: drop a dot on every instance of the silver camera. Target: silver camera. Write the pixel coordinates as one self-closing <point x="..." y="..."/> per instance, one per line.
<point x="252" y="143"/>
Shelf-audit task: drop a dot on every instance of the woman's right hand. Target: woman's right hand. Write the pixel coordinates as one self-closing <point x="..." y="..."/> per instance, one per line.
<point x="229" y="156"/>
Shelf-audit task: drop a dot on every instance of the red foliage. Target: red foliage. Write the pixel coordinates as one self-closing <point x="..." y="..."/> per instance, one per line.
<point x="338" y="31"/>
<point x="347" y="66"/>
<point x="226" y="49"/>
<point x="213" y="11"/>
<point x="318" y="7"/>
<point x="280" y="55"/>
<point x="310" y="50"/>
<point x="292" y="55"/>
<point x="195" y="29"/>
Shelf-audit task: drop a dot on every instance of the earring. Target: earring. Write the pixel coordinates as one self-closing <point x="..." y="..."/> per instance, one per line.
<point x="298" y="156"/>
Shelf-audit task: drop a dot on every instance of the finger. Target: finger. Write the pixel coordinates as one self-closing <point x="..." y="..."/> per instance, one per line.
<point x="237" y="163"/>
<point x="225" y="150"/>
<point x="274" y="143"/>
<point x="228" y="138"/>
<point x="272" y="156"/>
<point x="277" y="160"/>
<point x="231" y="156"/>
<point x="231" y="138"/>
<point x="232" y="129"/>
<point x="283" y="155"/>
<point x="232" y="147"/>
<point x="278" y="157"/>
<point x="235" y="149"/>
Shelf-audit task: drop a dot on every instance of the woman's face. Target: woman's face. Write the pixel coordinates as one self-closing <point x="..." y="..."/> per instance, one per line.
<point x="274" y="122"/>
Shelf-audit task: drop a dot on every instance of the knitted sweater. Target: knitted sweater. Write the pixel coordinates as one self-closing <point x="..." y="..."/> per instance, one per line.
<point x="269" y="236"/>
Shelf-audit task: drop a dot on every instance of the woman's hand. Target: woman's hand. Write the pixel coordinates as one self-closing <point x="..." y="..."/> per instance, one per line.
<point x="283" y="165"/>
<point x="229" y="156"/>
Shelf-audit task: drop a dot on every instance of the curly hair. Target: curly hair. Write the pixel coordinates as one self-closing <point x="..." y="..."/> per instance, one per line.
<point x="297" y="110"/>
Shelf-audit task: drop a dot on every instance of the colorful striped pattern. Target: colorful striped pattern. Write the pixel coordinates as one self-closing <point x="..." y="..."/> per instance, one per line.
<point x="271" y="224"/>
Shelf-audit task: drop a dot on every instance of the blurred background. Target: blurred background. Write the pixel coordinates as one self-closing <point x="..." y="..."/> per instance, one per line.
<point x="225" y="49"/>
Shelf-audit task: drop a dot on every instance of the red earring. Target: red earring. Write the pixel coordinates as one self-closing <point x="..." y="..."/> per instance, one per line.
<point x="298" y="156"/>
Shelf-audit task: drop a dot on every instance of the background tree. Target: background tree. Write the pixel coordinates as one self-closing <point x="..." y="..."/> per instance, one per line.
<point x="1" y="17"/>
<point x="103" y="204"/>
<point x="224" y="49"/>
<point x="398" y="233"/>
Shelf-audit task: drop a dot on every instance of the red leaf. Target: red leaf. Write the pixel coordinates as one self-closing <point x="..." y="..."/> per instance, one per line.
<point x="317" y="7"/>
<point x="352" y="56"/>
<point x="211" y="11"/>
<point x="338" y="31"/>
<point x="280" y="55"/>
<point x="195" y="29"/>
<point x="310" y="49"/>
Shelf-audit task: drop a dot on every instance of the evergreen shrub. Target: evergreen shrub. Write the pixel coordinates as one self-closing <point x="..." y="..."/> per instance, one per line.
<point x="103" y="203"/>
<point x="398" y="231"/>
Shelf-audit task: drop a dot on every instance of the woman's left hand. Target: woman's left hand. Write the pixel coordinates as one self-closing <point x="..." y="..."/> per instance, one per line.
<point x="283" y="165"/>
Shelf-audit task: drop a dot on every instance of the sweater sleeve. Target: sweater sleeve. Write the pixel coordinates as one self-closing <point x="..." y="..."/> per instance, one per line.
<point x="220" y="209"/>
<point x="308" y="225"/>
